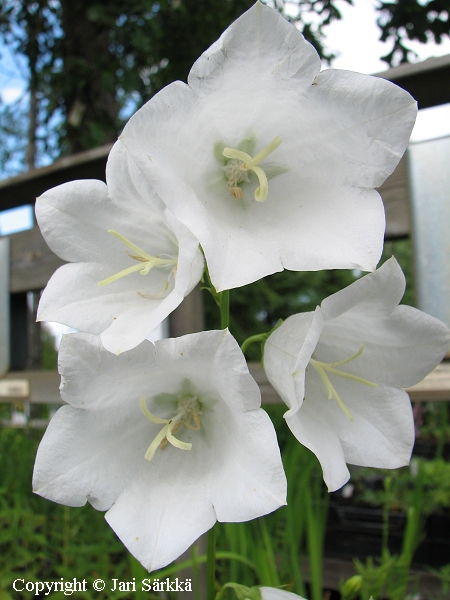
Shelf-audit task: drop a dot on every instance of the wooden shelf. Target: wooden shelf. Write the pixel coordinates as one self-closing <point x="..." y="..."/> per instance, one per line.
<point x="43" y="386"/>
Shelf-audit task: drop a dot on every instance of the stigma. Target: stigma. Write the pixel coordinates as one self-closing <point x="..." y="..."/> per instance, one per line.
<point x="323" y="368"/>
<point x="241" y="164"/>
<point x="145" y="262"/>
<point x="188" y="414"/>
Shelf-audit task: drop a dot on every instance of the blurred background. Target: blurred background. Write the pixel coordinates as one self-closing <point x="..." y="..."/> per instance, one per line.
<point x="71" y="73"/>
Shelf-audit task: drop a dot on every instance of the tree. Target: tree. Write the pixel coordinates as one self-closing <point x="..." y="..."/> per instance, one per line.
<point x="91" y="64"/>
<point x="412" y="20"/>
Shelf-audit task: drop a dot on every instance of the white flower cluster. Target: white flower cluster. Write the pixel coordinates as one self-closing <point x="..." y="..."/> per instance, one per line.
<point x="265" y="163"/>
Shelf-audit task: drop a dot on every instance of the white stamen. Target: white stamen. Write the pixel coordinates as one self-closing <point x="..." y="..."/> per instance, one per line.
<point x="149" y="262"/>
<point x="240" y="163"/>
<point x="322" y="369"/>
<point x="188" y="413"/>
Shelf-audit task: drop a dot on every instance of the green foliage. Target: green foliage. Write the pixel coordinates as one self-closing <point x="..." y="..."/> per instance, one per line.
<point x="49" y="353"/>
<point x="432" y="475"/>
<point x="14" y="135"/>
<point x="416" y="492"/>
<point x="45" y="541"/>
<point x="42" y="540"/>
<point x="402" y="249"/>
<point x="257" y="308"/>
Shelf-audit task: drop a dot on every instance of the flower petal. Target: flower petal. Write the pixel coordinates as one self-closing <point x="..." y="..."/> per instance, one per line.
<point x="368" y="118"/>
<point x="287" y="352"/>
<point x="270" y="593"/>
<point x="258" y="37"/>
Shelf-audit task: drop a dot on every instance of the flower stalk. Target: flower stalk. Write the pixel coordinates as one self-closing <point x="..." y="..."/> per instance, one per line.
<point x="211" y="564"/>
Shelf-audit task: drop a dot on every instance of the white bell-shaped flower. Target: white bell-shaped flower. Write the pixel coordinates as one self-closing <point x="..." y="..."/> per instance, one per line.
<point x="268" y="161"/>
<point x="168" y="438"/>
<point x="340" y="371"/>
<point x="131" y="261"/>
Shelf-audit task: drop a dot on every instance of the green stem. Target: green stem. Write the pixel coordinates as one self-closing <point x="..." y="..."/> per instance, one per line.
<point x="259" y="337"/>
<point x="224" y="309"/>
<point x="211" y="564"/>
<point x="386" y="507"/>
<point x="195" y="571"/>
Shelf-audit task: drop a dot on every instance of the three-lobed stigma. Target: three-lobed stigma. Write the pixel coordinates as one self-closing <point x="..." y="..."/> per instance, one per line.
<point x="323" y="368"/>
<point x="145" y="262"/>
<point x="188" y="414"/>
<point x="240" y="164"/>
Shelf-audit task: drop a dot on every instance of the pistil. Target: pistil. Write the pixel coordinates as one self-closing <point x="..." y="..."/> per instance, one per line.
<point x="241" y="163"/>
<point x="146" y="262"/>
<point x="324" y="368"/>
<point x="188" y="413"/>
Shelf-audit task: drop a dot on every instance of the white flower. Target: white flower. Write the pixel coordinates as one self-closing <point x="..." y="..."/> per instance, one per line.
<point x="168" y="438"/>
<point x="270" y="593"/>
<point x="132" y="262"/>
<point x="340" y="370"/>
<point x="267" y="160"/>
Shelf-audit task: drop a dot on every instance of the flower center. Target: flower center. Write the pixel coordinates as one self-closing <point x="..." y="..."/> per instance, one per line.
<point x="188" y="414"/>
<point x="145" y="263"/>
<point x="324" y="368"/>
<point x="238" y="167"/>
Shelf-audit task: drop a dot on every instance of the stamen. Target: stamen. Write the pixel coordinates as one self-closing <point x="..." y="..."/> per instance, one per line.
<point x="322" y="369"/>
<point x="150" y="262"/>
<point x="150" y="416"/>
<point x="188" y="411"/>
<point x="238" y="173"/>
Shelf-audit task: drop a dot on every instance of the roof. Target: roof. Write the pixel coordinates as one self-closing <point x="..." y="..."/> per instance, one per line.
<point x="425" y="80"/>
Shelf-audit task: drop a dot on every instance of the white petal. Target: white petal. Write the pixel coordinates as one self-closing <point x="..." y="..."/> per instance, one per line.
<point x="89" y="455"/>
<point x="367" y="421"/>
<point x="270" y="593"/>
<point x="313" y="426"/>
<point x="287" y="352"/>
<point x="381" y="433"/>
<point x="313" y="218"/>
<point x="165" y="509"/>
<point x="399" y="350"/>
<point x="229" y="475"/>
<point x="127" y="185"/>
<point x="250" y="479"/>
<point x="123" y="315"/>
<point x="401" y="343"/>
<point x="68" y="216"/>
<point x="94" y="379"/>
<point x="262" y="38"/>
<point x="375" y="294"/>
<point x="368" y="118"/>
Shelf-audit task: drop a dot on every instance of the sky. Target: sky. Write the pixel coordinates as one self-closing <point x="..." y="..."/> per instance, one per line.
<point x="354" y="39"/>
